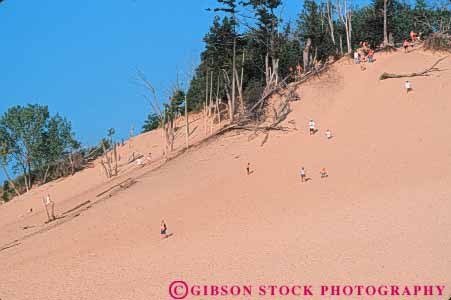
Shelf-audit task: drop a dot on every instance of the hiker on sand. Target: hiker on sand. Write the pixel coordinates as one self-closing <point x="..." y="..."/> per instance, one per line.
<point x="362" y="62"/>
<point x="311" y="126"/>
<point x="408" y="86"/>
<point x="163" y="230"/>
<point x="328" y="134"/>
<point x="356" y="57"/>
<point x="371" y="56"/>
<point x="50" y="208"/>
<point x="248" y="169"/>
<point x="303" y="179"/>
<point x="323" y="173"/>
<point x="405" y="45"/>
<point x="139" y="162"/>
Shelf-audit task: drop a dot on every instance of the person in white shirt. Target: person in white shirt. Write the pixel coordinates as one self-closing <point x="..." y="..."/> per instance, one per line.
<point x="50" y="208"/>
<point x="408" y="86"/>
<point x="302" y="175"/>
<point x="311" y="125"/>
<point x="139" y="162"/>
<point x="356" y="57"/>
<point x="328" y="134"/>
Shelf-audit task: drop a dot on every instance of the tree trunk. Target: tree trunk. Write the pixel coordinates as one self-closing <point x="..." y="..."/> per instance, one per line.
<point x="44" y="180"/>
<point x="306" y="54"/>
<point x="210" y="100"/>
<point x="107" y="158"/>
<point x="226" y="89"/>
<point x="205" y="105"/>
<point x="345" y="16"/>
<point x="115" y="160"/>
<point x="385" y="24"/>
<point x="72" y="164"/>
<point x="186" y="123"/>
<point x="330" y="21"/>
<point x="348" y="38"/>
<point x="5" y="171"/>
<point x="233" y="80"/>
<point x="243" y="108"/>
<point x="341" y="45"/>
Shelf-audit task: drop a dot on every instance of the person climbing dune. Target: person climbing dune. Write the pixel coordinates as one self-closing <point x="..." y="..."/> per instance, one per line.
<point x="50" y="208"/>
<point x="405" y="45"/>
<point x="408" y="86"/>
<point x="312" y="127"/>
<point x="163" y="229"/>
<point x="328" y="134"/>
<point x="302" y="173"/>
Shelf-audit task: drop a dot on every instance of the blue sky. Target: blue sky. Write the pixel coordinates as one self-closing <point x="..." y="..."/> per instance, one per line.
<point x="80" y="57"/>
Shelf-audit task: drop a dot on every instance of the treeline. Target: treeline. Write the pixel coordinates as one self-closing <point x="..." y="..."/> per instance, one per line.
<point x="40" y="148"/>
<point x="249" y="39"/>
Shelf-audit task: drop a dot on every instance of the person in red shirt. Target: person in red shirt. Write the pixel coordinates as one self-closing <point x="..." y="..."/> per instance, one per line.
<point x="370" y="55"/>
<point x="413" y="36"/>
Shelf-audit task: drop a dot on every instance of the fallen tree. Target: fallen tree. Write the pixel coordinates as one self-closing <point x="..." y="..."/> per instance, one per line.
<point x="425" y="72"/>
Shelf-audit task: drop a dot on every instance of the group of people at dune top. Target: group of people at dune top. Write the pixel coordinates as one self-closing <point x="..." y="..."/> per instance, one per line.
<point x="363" y="54"/>
<point x="413" y="39"/>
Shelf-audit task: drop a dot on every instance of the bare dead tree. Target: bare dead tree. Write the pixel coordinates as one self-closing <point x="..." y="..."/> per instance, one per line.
<point x="210" y="100"/>
<point x="232" y="108"/>
<point x="306" y="54"/>
<point x="162" y="114"/>
<point x="240" y="87"/>
<point x="217" y="111"/>
<point x="421" y="73"/>
<point x="186" y="123"/>
<point x="227" y="87"/>
<point x="106" y="162"/>
<point x="115" y="159"/>
<point x="330" y="19"/>
<point x="386" y="42"/>
<point x="205" y="104"/>
<point x="341" y="45"/>
<point x="344" y="10"/>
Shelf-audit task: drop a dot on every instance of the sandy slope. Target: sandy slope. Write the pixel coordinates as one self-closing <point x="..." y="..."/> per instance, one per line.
<point x="382" y="217"/>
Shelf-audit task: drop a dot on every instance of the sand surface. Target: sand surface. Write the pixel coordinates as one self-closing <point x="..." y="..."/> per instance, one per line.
<point x="381" y="217"/>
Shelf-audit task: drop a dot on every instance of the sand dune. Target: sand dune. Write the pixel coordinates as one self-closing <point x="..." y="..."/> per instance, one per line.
<point x="381" y="217"/>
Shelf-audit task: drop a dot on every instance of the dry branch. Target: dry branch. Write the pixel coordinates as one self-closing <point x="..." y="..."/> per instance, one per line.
<point x="422" y="73"/>
<point x="124" y="184"/>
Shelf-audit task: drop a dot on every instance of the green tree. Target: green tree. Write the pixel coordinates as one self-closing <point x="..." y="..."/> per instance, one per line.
<point x="290" y="51"/>
<point x="310" y="25"/>
<point x="152" y="122"/>
<point x="32" y="140"/>
<point x="215" y="59"/>
<point x="23" y="129"/>
<point x="178" y="102"/>
<point x="57" y="144"/>
<point x="5" y="190"/>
